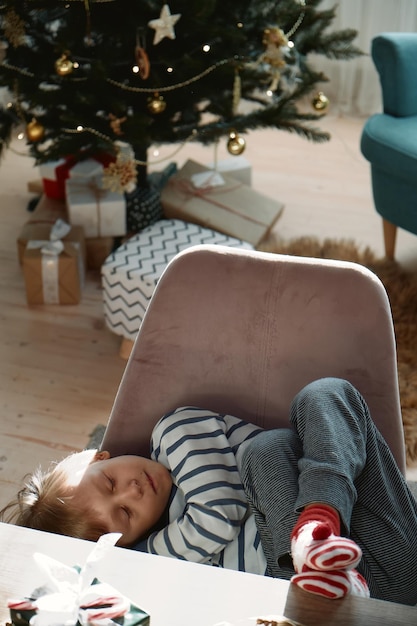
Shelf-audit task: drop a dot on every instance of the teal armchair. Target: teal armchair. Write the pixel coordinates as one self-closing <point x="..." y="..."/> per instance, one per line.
<point x="389" y="139"/>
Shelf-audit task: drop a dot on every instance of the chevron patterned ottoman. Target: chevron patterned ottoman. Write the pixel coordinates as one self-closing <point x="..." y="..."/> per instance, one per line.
<point x="129" y="275"/>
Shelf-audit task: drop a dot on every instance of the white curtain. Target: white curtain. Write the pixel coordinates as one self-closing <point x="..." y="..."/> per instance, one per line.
<point x="354" y="85"/>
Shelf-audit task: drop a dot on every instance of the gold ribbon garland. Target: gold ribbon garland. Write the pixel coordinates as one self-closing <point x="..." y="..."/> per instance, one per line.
<point x="185" y="83"/>
<point x="109" y="140"/>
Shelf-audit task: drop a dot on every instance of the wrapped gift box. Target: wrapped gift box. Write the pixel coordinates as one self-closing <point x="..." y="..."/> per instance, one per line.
<point x="53" y="278"/>
<point x="48" y="209"/>
<point x="98" y="249"/>
<point x="95" y="250"/>
<point x="230" y="207"/>
<point x="74" y="596"/>
<point x="237" y="167"/>
<point x="40" y="223"/>
<point x="143" y="208"/>
<point x="143" y="204"/>
<point x="54" y="175"/>
<point x="91" y="167"/>
<point x="100" y="212"/>
<point x="135" y="616"/>
<point x="86" y="169"/>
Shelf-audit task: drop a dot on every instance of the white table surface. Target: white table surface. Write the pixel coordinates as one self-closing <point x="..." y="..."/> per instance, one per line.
<point x="174" y="593"/>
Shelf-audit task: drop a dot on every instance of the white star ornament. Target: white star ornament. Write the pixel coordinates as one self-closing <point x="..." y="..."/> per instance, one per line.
<point x="164" y="25"/>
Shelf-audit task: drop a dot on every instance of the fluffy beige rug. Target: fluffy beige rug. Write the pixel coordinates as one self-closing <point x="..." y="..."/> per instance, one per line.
<point x="402" y="292"/>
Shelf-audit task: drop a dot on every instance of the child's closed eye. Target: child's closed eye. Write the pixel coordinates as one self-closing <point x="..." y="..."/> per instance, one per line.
<point x="110" y="481"/>
<point x="127" y="512"/>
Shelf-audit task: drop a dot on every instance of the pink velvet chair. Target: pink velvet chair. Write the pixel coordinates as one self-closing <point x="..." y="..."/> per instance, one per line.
<point x="241" y="332"/>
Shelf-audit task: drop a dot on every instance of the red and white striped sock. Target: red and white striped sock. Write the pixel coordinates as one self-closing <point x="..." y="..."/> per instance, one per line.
<point x="332" y="585"/>
<point x="316" y="543"/>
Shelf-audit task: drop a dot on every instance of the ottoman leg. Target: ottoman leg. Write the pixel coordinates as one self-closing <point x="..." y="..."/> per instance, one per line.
<point x="125" y="348"/>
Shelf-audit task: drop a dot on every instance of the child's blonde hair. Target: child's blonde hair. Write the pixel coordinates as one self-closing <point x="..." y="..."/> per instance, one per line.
<point x="43" y="502"/>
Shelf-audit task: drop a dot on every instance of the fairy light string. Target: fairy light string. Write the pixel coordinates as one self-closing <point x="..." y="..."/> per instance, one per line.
<point x="93" y="131"/>
<point x="19" y="70"/>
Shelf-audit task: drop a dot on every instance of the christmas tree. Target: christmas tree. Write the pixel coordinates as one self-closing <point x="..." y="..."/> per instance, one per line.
<point x="84" y="75"/>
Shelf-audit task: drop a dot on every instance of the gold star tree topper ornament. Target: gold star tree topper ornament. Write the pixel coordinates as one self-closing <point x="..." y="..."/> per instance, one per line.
<point x="164" y="25"/>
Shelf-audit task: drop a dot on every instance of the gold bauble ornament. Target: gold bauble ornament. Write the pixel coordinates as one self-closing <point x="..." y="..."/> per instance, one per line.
<point x="236" y="144"/>
<point x="34" y="131"/>
<point x="64" y="65"/>
<point x="156" y="104"/>
<point x="320" y="102"/>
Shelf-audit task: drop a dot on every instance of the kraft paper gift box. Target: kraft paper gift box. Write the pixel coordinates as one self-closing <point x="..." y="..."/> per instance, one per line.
<point x="100" y="212"/>
<point x="48" y="209"/>
<point x="219" y="202"/>
<point x="41" y="232"/>
<point x="53" y="267"/>
<point x="98" y="249"/>
<point x="40" y="224"/>
<point x="95" y="250"/>
<point x="53" y="279"/>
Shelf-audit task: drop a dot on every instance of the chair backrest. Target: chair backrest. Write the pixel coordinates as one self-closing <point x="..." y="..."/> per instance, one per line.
<point x="241" y="332"/>
<point x="395" y="58"/>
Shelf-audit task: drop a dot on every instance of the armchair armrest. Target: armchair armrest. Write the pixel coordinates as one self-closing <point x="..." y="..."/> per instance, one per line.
<point x="395" y="58"/>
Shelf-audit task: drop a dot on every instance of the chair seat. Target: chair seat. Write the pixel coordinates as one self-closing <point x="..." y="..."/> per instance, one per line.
<point x="389" y="143"/>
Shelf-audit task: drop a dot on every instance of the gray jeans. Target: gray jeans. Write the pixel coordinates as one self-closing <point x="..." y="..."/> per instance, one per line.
<point x="335" y="454"/>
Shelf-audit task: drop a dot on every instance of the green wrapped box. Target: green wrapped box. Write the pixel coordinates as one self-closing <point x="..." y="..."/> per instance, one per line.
<point x="22" y="612"/>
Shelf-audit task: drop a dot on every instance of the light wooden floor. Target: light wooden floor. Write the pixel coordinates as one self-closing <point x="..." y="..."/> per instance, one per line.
<point x="60" y="367"/>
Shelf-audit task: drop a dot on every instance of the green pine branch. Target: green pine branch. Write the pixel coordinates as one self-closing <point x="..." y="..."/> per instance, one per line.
<point x="338" y="45"/>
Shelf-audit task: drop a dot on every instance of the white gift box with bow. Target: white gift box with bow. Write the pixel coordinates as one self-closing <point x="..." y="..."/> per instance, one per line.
<point x="86" y="169"/>
<point x="100" y="212"/>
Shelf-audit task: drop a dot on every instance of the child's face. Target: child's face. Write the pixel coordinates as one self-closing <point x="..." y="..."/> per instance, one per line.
<point x="127" y="494"/>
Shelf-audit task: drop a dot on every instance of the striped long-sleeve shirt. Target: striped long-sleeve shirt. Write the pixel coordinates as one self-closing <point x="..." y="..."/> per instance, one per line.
<point x="208" y="518"/>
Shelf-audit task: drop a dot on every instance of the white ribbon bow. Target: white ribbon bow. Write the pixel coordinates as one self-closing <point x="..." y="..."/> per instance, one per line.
<point x="54" y="246"/>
